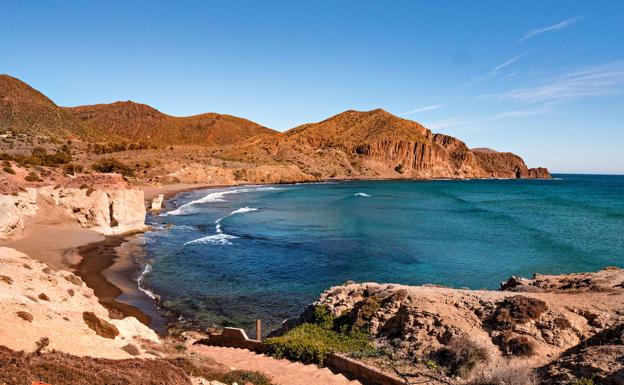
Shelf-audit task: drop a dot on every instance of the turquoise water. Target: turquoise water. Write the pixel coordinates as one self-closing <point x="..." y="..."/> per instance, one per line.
<point x="229" y="256"/>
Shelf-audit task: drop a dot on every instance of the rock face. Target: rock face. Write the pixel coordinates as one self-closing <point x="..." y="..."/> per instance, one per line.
<point x="542" y="320"/>
<point x="157" y="203"/>
<point x="107" y="211"/>
<point x="376" y="144"/>
<point x="40" y="302"/>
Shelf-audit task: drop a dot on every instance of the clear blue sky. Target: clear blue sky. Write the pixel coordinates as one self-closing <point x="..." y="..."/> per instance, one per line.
<point x="544" y="79"/>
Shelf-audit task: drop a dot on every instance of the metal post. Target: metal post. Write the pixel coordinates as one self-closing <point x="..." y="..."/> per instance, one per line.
<point x="259" y="330"/>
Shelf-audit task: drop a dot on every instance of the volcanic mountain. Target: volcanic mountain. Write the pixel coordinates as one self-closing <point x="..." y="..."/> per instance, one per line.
<point x="377" y="144"/>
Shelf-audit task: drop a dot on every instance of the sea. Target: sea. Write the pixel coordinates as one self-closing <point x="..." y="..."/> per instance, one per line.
<point x="229" y="256"/>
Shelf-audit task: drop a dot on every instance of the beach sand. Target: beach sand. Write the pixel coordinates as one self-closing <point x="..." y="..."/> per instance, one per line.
<point x="107" y="264"/>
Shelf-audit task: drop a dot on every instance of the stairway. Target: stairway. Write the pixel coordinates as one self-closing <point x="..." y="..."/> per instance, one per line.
<point x="281" y="372"/>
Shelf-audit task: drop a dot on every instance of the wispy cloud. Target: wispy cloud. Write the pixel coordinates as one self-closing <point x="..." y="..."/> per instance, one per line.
<point x="598" y="80"/>
<point x="423" y="109"/>
<point x="507" y="63"/>
<point x="555" y="27"/>
<point x="480" y="124"/>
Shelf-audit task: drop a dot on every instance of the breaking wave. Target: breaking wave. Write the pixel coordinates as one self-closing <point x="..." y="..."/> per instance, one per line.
<point x="361" y="194"/>
<point x="218" y="196"/>
<point x="221" y="238"/>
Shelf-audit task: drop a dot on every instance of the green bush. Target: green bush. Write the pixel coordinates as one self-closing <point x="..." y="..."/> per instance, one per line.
<point x="8" y="170"/>
<point x="311" y="343"/>
<point x="32" y="177"/>
<point x="110" y="165"/>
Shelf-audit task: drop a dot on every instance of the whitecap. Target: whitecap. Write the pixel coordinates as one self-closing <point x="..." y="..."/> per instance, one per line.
<point x="218" y="196"/>
<point x="243" y="210"/>
<point x="216" y="239"/>
<point x="361" y="194"/>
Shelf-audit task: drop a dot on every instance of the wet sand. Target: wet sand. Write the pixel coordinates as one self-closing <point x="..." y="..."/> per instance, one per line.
<point x="112" y="276"/>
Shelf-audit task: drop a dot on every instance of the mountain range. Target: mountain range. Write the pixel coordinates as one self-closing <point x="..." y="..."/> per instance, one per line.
<point x="352" y="144"/>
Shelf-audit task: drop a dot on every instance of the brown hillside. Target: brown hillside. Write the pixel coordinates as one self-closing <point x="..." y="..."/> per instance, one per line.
<point x="142" y="123"/>
<point x="377" y="144"/>
<point x="26" y="110"/>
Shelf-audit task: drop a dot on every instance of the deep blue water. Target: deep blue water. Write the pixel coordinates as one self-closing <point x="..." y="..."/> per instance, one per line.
<point x="229" y="256"/>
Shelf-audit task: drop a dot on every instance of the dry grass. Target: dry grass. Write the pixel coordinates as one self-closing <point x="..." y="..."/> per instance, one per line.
<point x="462" y="356"/>
<point x="516" y="310"/>
<point x="99" y="326"/>
<point x="506" y="374"/>
<point x="19" y="368"/>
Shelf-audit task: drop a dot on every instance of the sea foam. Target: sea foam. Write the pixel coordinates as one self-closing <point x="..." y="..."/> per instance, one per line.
<point x="218" y="196"/>
<point x="361" y="194"/>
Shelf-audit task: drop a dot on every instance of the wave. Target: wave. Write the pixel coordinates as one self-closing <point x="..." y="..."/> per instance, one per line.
<point x="361" y="194"/>
<point x="215" y="239"/>
<point x="146" y="270"/>
<point x="221" y="238"/>
<point x="218" y="196"/>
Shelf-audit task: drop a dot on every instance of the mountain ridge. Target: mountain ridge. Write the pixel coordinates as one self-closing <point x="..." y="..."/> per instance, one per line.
<point x="351" y="144"/>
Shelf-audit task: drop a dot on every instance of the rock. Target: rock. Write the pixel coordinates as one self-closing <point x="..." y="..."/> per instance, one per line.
<point x="157" y="203"/>
<point x="14" y="209"/>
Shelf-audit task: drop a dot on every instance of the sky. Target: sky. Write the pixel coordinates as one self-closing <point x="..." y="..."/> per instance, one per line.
<point x="543" y="79"/>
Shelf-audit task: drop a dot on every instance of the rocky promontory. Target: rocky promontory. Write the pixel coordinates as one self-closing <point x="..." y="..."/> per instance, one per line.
<point x="562" y="327"/>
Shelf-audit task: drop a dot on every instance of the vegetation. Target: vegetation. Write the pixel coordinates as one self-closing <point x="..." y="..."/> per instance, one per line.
<point x="462" y="356"/>
<point x="506" y="374"/>
<point x="99" y="326"/>
<point x="32" y="177"/>
<point x="41" y="344"/>
<point x="131" y="349"/>
<point x="110" y="165"/>
<point x="312" y="342"/>
<point x="26" y="316"/>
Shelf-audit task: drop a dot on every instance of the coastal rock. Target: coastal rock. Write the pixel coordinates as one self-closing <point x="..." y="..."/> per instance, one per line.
<point x="535" y="324"/>
<point x="108" y="211"/>
<point x="40" y="302"/>
<point x="157" y="203"/>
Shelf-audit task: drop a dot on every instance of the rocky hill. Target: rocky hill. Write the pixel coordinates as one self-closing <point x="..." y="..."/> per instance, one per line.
<point x="142" y="123"/>
<point x="26" y="110"/>
<point x="353" y="144"/>
<point x="377" y="144"/>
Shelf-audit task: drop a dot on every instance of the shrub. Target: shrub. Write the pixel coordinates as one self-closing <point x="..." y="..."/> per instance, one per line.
<point x="99" y="326"/>
<point x="506" y="374"/>
<point x="462" y="355"/>
<point x="8" y="170"/>
<point x="44" y="297"/>
<point x="72" y="168"/>
<point x="516" y="310"/>
<point x="244" y="377"/>
<point x="399" y="168"/>
<point x="131" y="349"/>
<point x="6" y="279"/>
<point x="90" y="191"/>
<point x="110" y="165"/>
<point x="26" y="316"/>
<point x="32" y="177"/>
<point x="520" y="346"/>
<point x="41" y="344"/>
<point x="311" y="343"/>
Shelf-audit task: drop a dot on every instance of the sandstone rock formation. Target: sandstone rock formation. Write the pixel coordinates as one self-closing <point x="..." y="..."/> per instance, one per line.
<point x="40" y="302"/>
<point x="107" y="211"/>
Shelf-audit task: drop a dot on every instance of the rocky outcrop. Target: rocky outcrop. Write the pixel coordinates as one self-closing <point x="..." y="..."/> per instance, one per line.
<point x="114" y="211"/>
<point x="107" y="211"/>
<point x="157" y="202"/>
<point x="15" y="209"/>
<point x="38" y="302"/>
<point x="541" y="320"/>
